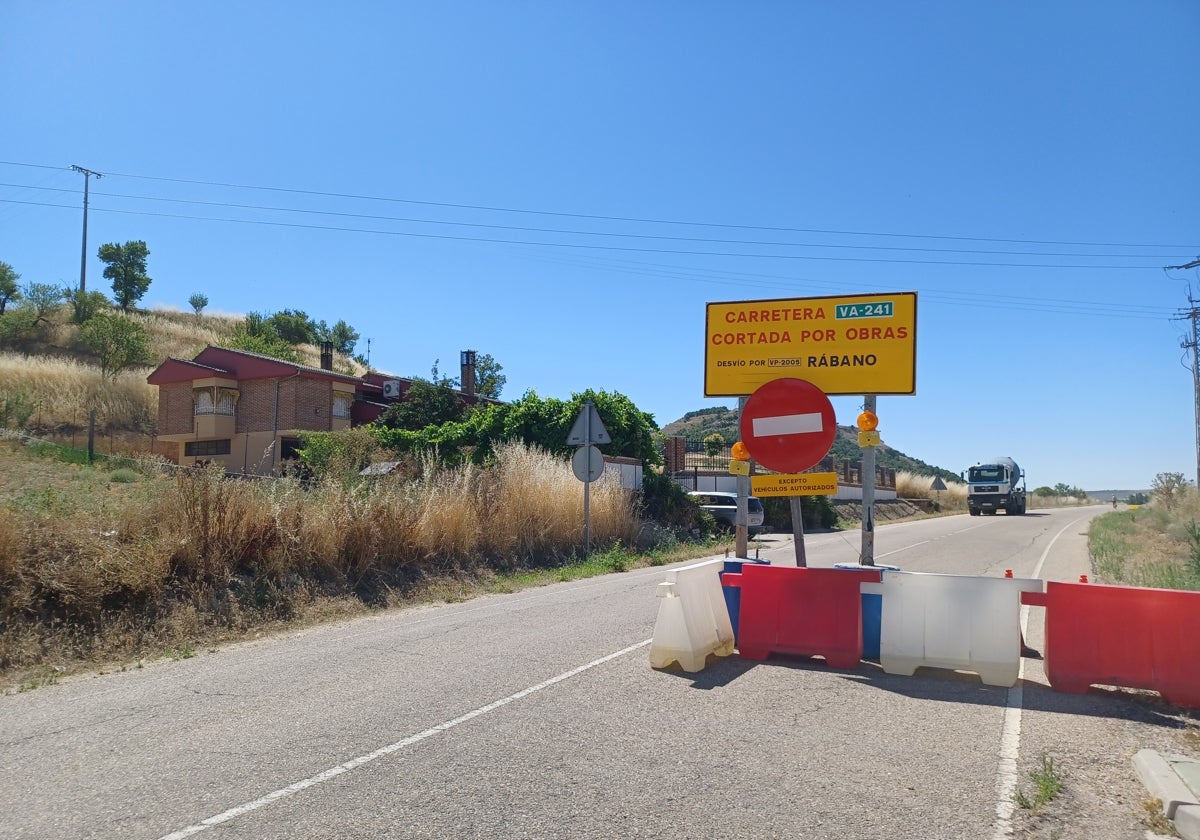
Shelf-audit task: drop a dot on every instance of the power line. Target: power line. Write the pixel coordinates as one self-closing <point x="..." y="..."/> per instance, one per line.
<point x="634" y="219"/>
<point x="589" y="247"/>
<point x="788" y="286"/>
<point x="569" y="232"/>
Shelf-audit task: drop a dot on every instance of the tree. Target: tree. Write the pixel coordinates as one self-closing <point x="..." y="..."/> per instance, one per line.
<point x="42" y="299"/>
<point x="257" y="336"/>
<point x="85" y="305"/>
<point x="547" y="423"/>
<point x="633" y="431"/>
<point x="9" y="291"/>
<point x="118" y="342"/>
<point x="126" y="267"/>
<point x="341" y="335"/>
<point x="713" y="444"/>
<point x="1167" y="487"/>
<point x="436" y="377"/>
<point x="489" y="381"/>
<point x="293" y="326"/>
<point x="425" y="404"/>
<point x="198" y="301"/>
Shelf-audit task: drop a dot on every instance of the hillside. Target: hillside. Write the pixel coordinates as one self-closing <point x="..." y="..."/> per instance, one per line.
<point x="49" y="374"/>
<point x="696" y="425"/>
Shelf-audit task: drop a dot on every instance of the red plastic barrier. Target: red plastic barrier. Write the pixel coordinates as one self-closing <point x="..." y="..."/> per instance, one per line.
<point x="1122" y="635"/>
<point x="809" y="612"/>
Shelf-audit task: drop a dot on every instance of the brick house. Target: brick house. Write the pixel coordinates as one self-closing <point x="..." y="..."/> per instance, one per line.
<point x="246" y="410"/>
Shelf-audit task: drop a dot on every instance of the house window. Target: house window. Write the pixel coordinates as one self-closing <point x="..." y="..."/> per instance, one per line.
<point x="202" y="398"/>
<point x="205" y="448"/>
<point x="214" y="400"/>
<point x="341" y="406"/>
<point x="226" y="400"/>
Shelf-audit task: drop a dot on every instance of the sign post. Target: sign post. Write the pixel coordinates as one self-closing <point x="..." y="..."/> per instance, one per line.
<point x="868" y="499"/>
<point x="741" y="534"/>
<point x="588" y="462"/>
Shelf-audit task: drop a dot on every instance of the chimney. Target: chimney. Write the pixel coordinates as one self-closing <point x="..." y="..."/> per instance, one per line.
<point x="466" y="360"/>
<point x="326" y="355"/>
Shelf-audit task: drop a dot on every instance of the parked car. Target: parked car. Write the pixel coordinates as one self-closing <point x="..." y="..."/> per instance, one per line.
<point x="723" y="507"/>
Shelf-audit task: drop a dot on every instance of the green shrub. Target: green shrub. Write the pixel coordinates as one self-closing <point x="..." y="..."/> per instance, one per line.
<point x="817" y="512"/>
<point x="123" y="476"/>
<point x="666" y="501"/>
<point x="16" y="407"/>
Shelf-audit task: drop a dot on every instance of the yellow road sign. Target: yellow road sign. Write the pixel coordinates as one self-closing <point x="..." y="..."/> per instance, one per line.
<point x="857" y="344"/>
<point x="866" y="439"/>
<point x="739" y="468"/>
<point x="797" y="484"/>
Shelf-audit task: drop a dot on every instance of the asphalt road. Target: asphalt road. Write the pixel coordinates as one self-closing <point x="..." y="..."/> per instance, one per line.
<point x="537" y="715"/>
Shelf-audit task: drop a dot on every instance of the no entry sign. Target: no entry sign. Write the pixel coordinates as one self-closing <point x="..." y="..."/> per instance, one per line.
<point x="788" y="425"/>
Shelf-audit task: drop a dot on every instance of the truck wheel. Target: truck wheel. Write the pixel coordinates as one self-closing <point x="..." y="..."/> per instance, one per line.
<point x="974" y="512"/>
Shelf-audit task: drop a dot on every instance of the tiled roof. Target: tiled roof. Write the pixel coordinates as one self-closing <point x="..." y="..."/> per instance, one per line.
<point x="296" y="365"/>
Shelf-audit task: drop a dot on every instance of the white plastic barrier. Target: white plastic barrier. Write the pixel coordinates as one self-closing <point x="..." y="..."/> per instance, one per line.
<point x="952" y="621"/>
<point x="693" y="620"/>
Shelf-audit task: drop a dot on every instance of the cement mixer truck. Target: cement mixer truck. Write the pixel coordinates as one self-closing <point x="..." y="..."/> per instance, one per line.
<point x="992" y="485"/>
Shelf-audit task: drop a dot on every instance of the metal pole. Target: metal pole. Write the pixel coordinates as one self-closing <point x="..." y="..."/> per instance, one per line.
<point x="741" y="548"/>
<point x="868" y="499"/>
<point x="587" y="485"/>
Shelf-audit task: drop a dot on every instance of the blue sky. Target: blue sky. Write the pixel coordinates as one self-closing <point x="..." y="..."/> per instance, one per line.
<point x="566" y="185"/>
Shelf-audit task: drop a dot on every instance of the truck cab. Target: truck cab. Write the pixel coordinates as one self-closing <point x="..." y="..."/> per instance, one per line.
<point x="992" y="486"/>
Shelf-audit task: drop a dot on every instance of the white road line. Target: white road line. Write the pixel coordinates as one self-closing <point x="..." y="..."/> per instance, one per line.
<point x="1010" y="733"/>
<point x="354" y="763"/>
<point x="787" y="424"/>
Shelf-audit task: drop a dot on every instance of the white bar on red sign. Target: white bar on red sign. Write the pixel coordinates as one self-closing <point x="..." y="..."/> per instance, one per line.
<point x="787" y="424"/>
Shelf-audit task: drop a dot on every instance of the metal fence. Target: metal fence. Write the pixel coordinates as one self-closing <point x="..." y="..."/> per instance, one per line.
<point x="698" y="457"/>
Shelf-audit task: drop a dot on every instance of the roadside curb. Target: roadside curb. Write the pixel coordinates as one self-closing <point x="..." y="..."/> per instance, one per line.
<point x="1164" y="777"/>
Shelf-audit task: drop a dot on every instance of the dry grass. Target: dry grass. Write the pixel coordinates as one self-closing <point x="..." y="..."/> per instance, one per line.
<point x="96" y="567"/>
<point x="1157" y="545"/>
<point x="184" y="335"/>
<point x="910" y="485"/>
<point x="62" y="390"/>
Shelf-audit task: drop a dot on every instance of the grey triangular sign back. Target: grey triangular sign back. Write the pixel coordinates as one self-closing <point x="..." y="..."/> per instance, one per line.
<point x="579" y="432"/>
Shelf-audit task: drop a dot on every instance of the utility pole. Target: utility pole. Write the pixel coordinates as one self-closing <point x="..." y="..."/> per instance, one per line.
<point x="87" y="174"/>
<point x="1193" y="314"/>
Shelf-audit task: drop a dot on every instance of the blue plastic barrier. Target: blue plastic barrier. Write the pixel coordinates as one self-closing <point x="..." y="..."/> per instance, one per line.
<point x="733" y="591"/>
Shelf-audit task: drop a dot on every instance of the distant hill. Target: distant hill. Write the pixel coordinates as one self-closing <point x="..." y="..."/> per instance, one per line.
<point x="696" y="425"/>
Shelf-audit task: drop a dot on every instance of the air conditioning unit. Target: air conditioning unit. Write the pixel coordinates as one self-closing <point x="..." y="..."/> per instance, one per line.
<point x="391" y="388"/>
